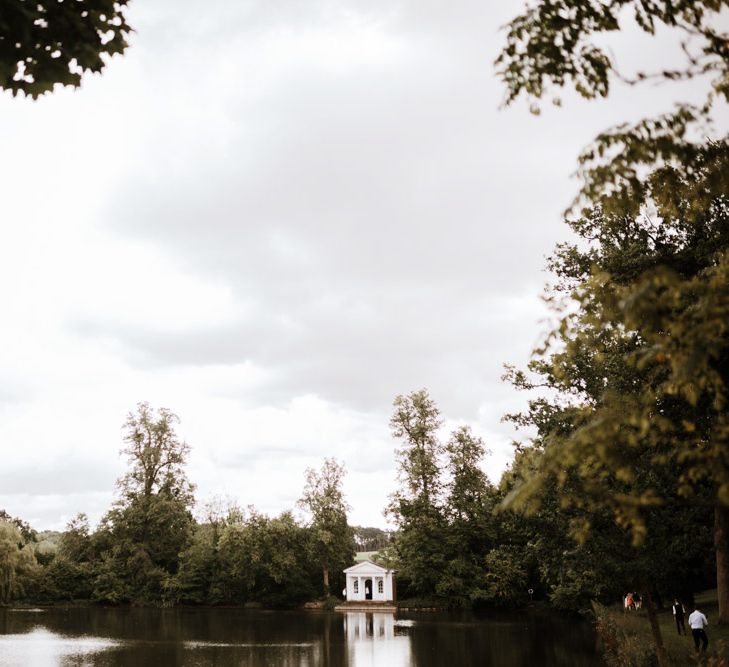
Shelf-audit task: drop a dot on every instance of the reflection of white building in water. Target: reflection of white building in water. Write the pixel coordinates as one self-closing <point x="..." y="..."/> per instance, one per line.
<point x="365" y="625"/>
<point x="372" y="642"/>
<point x="367" y="581"/>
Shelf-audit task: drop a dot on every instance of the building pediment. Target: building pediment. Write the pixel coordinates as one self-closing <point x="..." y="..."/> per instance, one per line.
<point x="367" y="567"/>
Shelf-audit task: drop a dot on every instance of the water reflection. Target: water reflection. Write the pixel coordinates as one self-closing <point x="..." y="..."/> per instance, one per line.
<point x="364" y="625"/>
<point x="42" y="648"/>
<point x="97" y="637"/>
<point x="371" y="640"/>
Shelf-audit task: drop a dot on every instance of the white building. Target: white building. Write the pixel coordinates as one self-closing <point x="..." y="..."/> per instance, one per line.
<point x="367" y="581"/>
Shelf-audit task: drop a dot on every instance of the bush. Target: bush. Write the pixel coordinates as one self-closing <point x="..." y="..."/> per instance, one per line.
<point x="619" y="648"/>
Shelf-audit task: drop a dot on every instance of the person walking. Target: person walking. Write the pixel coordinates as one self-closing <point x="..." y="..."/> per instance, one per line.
<point x="697" y="622"/>
<point x="678" y="613"/>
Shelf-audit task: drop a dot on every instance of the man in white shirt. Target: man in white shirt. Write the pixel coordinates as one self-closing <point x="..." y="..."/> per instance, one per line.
<point x="697" y="622"/>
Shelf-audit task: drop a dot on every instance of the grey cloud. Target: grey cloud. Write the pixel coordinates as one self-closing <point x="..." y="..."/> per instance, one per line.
<point x="72" y="475"/>
<point x="354" y="355"/>
<point x="373" y="219"/>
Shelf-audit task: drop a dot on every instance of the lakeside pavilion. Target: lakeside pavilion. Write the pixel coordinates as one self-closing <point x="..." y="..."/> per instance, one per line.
<point x="368" y="581"/>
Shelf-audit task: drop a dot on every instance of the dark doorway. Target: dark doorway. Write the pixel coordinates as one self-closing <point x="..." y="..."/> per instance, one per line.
<point x="368" y="589"/>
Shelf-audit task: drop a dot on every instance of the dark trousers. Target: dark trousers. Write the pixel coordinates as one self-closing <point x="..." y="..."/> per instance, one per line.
<point x="680" y="625"/>
<point x="700" y="635"/>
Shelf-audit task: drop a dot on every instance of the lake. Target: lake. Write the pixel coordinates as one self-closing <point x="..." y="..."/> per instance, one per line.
<point x="101" y="637"/>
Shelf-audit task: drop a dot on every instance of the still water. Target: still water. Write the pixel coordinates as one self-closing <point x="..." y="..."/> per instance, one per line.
<point x="97" y="637"/>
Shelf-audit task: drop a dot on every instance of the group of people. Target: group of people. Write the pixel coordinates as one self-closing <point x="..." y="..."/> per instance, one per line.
<point x="697" y="622"/>
<point x="632" y="601"/>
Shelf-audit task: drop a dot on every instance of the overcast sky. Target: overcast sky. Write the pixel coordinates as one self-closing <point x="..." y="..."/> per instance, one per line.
<point x="272" y="218"/>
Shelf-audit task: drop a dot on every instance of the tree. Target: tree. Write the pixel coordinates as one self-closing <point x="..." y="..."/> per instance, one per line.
<point x="416" y="421"/>
<point x="552" y="44"/>
<point x="151" y="523"/>
<point x="69" y="575"/>
<point x="659" y="173"/>
<point x="26" y="530"/>
<point x="416" y="507"/>
<point x="468" y="510"/>
<point x="468" y="486"/>
<point x="369" y="538"/>
<point x="673" y="558"/>
<point x="642" y="363"/>
<point x="556" y="43"/>
<point x="45" y="42"/>
<point x="75" y="543"/>
<point x="268" y="560"/>
<point x="333" y="538"/>
<point x="155" y="455"/>
<point x="201" y="577"/>
<point x="17" y="562"/>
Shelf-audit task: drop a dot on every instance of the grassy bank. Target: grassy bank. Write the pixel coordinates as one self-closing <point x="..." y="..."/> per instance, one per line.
<point x="628" y="641"/>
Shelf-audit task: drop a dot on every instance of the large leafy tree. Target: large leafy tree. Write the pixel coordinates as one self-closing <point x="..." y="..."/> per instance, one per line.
<point x="151" y="523"/>
<point x="17" y="562"/>
<point x="268" y="560"/>
<point x="640" y="363"/>
<point x="49" y="42"/>
<point x="333" y="538"/>
<point x="202" y="576"/>
<point x="640" y="358"/>
<point x="69" y="576"/>
<point x="155" y="454"/>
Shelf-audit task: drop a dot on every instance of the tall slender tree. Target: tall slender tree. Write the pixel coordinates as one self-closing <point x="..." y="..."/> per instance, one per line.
<point x="417" y="506"/>
<point x="333" y="538"/>
<point x="468" y="507"/>
<point x="416" y="421"/>
<point x="468" y="486"/>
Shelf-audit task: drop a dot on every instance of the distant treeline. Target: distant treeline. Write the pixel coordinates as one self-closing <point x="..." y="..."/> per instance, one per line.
<point x="148" y="549"/>
<point x="368" y="538"/>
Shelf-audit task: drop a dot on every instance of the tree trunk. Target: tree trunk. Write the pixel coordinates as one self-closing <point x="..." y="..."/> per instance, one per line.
<point x="721" y="544"/>
<point x="325" y="572"/>
<point x="655" y="630"/>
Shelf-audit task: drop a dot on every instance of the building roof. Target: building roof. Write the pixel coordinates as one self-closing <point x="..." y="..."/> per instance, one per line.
<point x="367" y="567"/>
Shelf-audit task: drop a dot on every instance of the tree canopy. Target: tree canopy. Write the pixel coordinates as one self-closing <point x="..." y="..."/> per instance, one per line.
<point x="555" y="44"/>
<point x="333" y="538"/>
<point x="633" y="419"/>
<point x="49" y="42"/>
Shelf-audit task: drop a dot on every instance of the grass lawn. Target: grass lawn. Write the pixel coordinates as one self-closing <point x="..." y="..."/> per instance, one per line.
<point x="680" y="648"/>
